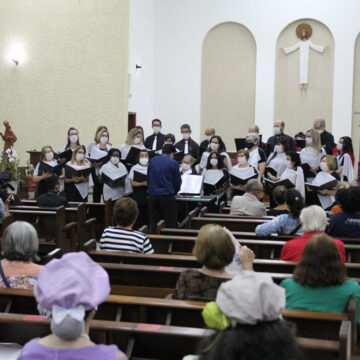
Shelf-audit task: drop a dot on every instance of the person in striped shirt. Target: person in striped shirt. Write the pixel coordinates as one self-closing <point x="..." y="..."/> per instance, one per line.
<point x="122" y="237"/>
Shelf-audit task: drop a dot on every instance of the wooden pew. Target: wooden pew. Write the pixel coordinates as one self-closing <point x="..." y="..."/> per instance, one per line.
<point x="233" y="224"/>
<point x="102" y="212"/>
<point x="204" y="213"/>
<point x="51" y="226"/>
<point x="139" y="341"/>
<point x="85" y="227"/>
<point x="118" y="308"/>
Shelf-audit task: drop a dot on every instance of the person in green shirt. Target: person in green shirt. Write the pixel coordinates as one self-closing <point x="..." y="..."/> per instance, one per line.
<point x="319" y="281"/>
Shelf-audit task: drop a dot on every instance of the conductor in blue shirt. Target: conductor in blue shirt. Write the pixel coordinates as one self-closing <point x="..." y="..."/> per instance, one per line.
<point x="164" y="181"/>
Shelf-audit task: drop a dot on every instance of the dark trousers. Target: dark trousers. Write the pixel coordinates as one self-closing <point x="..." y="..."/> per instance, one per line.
<point x="162" y="208"/>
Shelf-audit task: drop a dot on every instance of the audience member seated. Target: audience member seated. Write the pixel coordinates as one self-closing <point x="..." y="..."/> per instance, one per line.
<point x="347" y="222"/>
<point x="122" y="237"/>
<point x="246" y="315"/>
<point x="249" y="203"/>
<point x="214" y="250"/>
<point x="279" y="194"/>
<point x="313" y="221"/>
<point x="72" y="303"/>
<point x="52" y="198"/>
<point x="5" y="205"/>
<point x="285" y="224"/>
<point x="19" y="248"/>
<point x="340" y="187"/>
<point x="319" y="282"/>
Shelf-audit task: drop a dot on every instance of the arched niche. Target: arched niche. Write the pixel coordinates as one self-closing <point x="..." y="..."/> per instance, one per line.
<point x="228" y="81"/>
<point x="298" y="107"/>
<point x="355" y="133"/>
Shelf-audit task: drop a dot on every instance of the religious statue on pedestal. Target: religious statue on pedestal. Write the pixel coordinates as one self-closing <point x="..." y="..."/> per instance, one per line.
<point x="8" y="136"/>
<point x="304" y="32"/>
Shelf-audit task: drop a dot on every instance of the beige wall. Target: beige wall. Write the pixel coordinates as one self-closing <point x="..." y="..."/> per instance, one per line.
<point x="75" y="73"/>
<point x="296" y="106"/>
<point x="228" y="81"/>
<point x="355" y="134"/>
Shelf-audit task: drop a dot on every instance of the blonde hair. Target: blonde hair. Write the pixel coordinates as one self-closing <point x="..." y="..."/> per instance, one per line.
<point x="316" y="140"/>
<point x="131" y="135"/>
<point x="213" y="247"/>
<point x="73" y="156"/>
<point x="99" y="134"/>
<point x="42" y="156"/>
<point x="101" y="127"/>
<point x="331" y="162"/>
<point x="342" y="185"/>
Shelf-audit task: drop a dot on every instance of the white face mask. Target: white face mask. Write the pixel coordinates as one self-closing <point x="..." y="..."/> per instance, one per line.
<point x="49" y="156"/>
<point x="319" y="131"/>
<point x="277" y="130"/>
<point x="104" y="140"/>
<point x="214" y="162"/>
<point x="185" y="166"/>
<point x="185" y="136"/>
<point x="309" y="141"/>
<point x="278" y="149"/>
<point x="143" y="161"/>
<point x="214" y="146"/>
<point x="114" y="160"/>
<point x="339" y="146"/>
<point x="156" y="129"/>
<point x="288" y="164"/>
<point x="73" y="139"/>
<point x="324" y="166"/>
<point x="137" y="140"/>
<point x="241" y="160"/>
<point x="80" y="156"/>
<point x="208" y="137"/>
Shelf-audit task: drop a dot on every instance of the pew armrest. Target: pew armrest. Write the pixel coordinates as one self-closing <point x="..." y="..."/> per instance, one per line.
<point x="70" y="226"/>
<point x="55" y="254"/>
<point x="159" y="226"/>
<point x="144" y="229"/>
<point x="89" y="245"/>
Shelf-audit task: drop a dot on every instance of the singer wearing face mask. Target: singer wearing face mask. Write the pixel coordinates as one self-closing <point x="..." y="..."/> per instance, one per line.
<point x="276" y="162"/>
<point x="98" y="151"/>
<point x="279" y="127"/>
<point x="244" y="171"/>
<point x="345" y="159"/>
<point x="188" y="145"/>
<point x="311" y="154"/>
<point x="216" y="144"/>
<point x="133" y="139"/>
<point x="257" y="157"/>
<point x="209" y="132"/>
<point x="96" y="138"/>
<point x="138" y="180"/>
<point x="294" y="172"/>
<point x="326" y="198"/>
<point x="216" y="180"/>
<point x="327" y="139"/>
<point x="45" y="168"/>
<point x="156" y="140"/>
<point x="115" y="170"/>
<point x="77" y="187"/>
<point x="72" y="140"/>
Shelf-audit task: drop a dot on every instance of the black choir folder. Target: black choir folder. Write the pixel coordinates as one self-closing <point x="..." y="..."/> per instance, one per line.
<point x="67" y="154"/>
<point x="237" y="181"/>
<point x="272" y="171"/>
<point x="48" y="169"/>
<point x="139" y="177"/>
<point x="70" y="172"/>
<point x="286" y="182"/>
<point x="120" y="181"/>
<point x="327" y="186"/>
<point x="133" y="155"/>
<point x="101" y="160"/>
<point x="210" y="188"/>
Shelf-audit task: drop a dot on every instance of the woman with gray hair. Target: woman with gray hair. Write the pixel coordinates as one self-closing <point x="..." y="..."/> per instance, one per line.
<point x="257" y="157"/>
<point x="19" y="248"/>
<point x="313" y="221"/>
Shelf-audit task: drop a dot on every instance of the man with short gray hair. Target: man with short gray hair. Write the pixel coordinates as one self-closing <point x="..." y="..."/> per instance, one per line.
<point x="249" y="203"/>
<point x="327" y="139"/>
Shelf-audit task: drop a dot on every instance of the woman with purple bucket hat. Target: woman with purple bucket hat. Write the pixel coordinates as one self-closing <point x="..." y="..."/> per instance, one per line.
<point x="70" y="289"/>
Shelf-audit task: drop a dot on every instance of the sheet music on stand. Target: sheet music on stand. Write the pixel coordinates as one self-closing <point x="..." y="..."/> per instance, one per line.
<point x="193" y="185"/>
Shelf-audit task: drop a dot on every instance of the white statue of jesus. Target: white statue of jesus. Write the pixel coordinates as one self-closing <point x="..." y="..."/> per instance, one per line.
<point x="304" y="45"/>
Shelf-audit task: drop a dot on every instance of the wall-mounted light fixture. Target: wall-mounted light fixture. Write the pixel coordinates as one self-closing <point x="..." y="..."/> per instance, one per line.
<point x="138" y="67"/>
<point x="16" y="53"/>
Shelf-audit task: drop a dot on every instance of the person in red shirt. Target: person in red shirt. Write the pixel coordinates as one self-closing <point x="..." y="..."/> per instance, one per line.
<point x="313" y="221"/>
